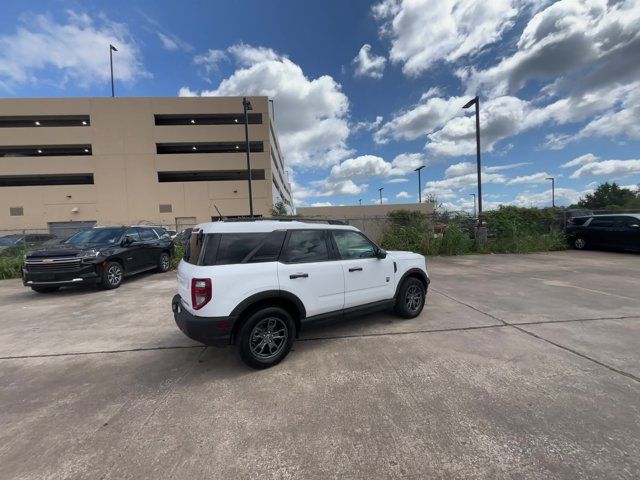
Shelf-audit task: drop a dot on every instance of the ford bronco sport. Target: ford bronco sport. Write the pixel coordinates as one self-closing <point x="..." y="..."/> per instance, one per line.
<point x="256" y="283"/>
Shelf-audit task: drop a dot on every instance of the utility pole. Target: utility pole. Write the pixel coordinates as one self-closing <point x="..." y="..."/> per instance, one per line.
<point x="247" y="106"/>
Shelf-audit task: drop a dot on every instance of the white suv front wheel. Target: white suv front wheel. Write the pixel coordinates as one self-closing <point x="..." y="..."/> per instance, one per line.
<point x="266" y="337"/>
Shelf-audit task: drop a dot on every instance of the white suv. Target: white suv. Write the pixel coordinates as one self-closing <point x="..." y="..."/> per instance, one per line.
<point x="257" y="283"/>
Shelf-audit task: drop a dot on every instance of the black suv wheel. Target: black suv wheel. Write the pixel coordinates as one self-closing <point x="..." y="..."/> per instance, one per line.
<point x="266" y="337"/>
<point x="411" y="298"/>
<point x="164" y="262"/>
<point x="112" y="275"/>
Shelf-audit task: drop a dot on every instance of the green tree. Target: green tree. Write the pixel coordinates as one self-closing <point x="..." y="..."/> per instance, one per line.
<point x="610" y="196"/>
<point x="279" y="210"/>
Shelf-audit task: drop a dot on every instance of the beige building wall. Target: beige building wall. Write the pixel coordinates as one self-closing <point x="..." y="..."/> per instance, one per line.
<point x="124" y="162"/>
<point x="370" y="219"/>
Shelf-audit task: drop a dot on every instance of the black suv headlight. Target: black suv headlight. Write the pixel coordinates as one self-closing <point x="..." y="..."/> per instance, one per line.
<point x="89" y="255"/>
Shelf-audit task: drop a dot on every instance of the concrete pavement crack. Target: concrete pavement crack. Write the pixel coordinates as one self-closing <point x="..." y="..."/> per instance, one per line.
<point x="539" y="337"/>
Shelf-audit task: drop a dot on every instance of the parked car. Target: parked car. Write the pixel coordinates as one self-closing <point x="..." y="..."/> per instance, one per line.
<point x="257" y="283"/>
<point x="24" y="241"/>
<point x="566" y="217"/>
<point x="614" y="231"/>
<point x="102" y="256"/>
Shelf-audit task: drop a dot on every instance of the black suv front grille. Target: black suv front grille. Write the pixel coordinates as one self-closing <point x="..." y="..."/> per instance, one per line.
<point x="67" y="264"/>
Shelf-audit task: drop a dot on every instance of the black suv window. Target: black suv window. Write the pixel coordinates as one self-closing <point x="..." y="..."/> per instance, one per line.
<point x="133" y="234"/>
<point x="353" y="245"/>
<point x="161" y="232"/>
<point x="146" y="234"/>
<point x="604" y="222"/>
<point x="306" y="246"/>
<point x="193" y="247"/>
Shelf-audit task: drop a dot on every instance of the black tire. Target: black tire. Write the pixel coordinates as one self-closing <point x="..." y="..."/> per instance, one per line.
<point x="112" y="275"/>
<point x="45" y="289"/>
<point x="261" y="332"/>
<point x="164" y="262"/>
<point x="411" y="298"/>
<point x="579" y="243"/>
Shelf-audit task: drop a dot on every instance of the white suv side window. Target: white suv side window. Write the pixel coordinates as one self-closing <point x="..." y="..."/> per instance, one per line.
<point x="306" y="246"/>
<point x="353" y="245"/>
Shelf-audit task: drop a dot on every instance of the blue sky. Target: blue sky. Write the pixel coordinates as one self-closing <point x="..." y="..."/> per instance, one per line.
<point x="367" y="91"/>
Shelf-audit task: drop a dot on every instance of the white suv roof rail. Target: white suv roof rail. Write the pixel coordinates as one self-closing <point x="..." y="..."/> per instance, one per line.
<point x="286" y="219"/>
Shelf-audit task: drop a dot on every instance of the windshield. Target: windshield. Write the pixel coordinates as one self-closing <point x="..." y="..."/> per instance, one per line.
<point x="97" y="235"/>
<point x="9" y="240"/>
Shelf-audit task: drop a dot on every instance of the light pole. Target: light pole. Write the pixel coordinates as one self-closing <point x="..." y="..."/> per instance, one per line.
<point x="476" y="101"/>
<point x="273" y="109"/>
<point x="474" y="204"/>
<point x="246" y="104"/>
<point x="360" y="201"/>
<point x="111" y="50"/>
<point x="380" y="190"/>
<point x="553" y="191"/>
<point x="419" y="183"/>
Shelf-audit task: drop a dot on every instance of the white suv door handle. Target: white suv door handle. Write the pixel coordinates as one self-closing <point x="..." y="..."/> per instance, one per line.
<point x="298" y="275"/>
<point x="355" y="269"/>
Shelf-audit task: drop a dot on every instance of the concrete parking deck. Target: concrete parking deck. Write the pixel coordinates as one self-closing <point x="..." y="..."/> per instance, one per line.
<point x="520" y="366"/>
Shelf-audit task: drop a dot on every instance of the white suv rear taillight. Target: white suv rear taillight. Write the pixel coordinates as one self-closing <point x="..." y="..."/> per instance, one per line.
<point x="200" y="292"/>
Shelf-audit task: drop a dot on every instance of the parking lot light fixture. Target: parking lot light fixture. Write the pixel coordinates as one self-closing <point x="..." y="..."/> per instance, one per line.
<point x="111" y="50"/>
<point x="476" y="101"/>
<point x="553" y="191"/>
<point x="419" y="183"/>
<point x="380" y="190"/>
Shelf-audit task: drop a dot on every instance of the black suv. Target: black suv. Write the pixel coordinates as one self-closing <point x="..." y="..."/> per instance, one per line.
<point x="102" y="255"/>
<point x="615" y="231"/>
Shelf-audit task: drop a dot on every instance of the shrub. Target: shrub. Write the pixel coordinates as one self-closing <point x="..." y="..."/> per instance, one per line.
<point x="407" y="230"/>
<point x="10" y="263"/>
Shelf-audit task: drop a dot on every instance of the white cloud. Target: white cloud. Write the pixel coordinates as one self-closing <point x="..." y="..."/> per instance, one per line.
<point x="500" y="118"/>
<point x="172" y="42"/>
<point x="77" y="49"/>
<point x="540" y="177"/>
<point x="322" y="204"/>
<point x="368" y="64"/>
<point x="581" y="160"/>
<point x="608" y="168"/>
<point x="312" y="113"/>
<point x="377" y="200"/>
<point x="367" y="126"/>
<point x="210" y="60"/>
<point x="407" y="163"/>
<point x="398" y="180"/>
<point x="563" y="196"/>
<point x="404" y="194"/>
<point x="364" y="166"/>
<point x="429" y="114"/>
<point x="423" y="32"/>
<point x="187" y="92"/>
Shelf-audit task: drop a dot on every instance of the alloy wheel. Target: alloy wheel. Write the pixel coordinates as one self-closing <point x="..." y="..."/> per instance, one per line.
<point x="413" y="298"/>
<point x="114" y="275"/>
<point x="164" y="262"/>
<point x="268" y="338"/>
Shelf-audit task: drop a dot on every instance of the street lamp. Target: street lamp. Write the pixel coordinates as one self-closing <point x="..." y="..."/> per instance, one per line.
<point x="380" y="190"/>
<point x="273" y="109"/>
<point x="360" y="201"/>
<point x="474" y="204"/>
<point x="553" y="191"/>
<point x="246" y="104"/>
<point x="111" y="50"/>
<point x="419" y="183"/>
<point x="476" y="101"/>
